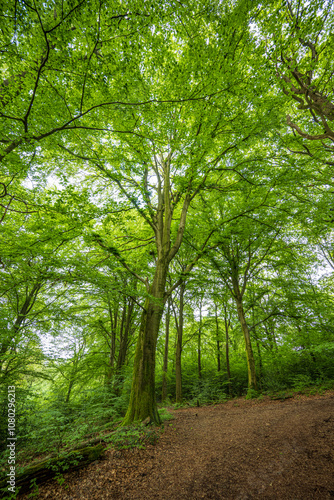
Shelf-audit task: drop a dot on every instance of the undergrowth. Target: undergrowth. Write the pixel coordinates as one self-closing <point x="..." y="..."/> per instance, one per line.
<point x="129" y="437"/>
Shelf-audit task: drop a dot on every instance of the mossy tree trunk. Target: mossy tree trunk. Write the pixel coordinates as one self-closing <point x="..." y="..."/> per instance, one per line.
<point x="142" y="403"/>
<point x="46" y="469"/>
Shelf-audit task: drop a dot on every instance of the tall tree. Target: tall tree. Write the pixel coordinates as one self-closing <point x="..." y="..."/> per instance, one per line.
<point x="160" y="168"/>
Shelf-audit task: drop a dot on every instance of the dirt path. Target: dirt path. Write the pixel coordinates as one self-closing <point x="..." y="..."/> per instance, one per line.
<point x="238" y="450"/>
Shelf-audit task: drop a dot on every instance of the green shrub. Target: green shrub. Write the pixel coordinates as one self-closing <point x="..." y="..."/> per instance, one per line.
<point x="134" y="437"/>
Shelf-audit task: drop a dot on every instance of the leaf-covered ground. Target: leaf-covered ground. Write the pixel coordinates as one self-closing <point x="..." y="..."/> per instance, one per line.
<point x="238" y="450"/>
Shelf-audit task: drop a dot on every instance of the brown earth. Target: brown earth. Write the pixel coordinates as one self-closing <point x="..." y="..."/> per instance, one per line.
<point x="238" y="450"/>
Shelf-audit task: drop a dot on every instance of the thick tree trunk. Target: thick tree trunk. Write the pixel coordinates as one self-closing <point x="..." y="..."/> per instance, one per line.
<point x="252" y="383"/>
<point x="46" y="469"/>
<point x="142" y="403"/>
<point x="165" y="365"/>
<point x="178" y="354"/>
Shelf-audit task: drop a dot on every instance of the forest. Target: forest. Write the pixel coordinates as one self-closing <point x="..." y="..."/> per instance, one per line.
<point x="166" y="209"/>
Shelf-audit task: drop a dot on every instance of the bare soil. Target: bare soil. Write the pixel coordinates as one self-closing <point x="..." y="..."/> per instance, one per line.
<point x="237" y="450"/>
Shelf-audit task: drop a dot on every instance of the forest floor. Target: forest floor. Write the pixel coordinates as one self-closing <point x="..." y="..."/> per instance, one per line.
<point x="242" y="449"/>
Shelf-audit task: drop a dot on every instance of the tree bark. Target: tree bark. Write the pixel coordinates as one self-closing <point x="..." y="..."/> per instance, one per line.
<point x="124" y="339"/>
<point x="21" y="318"/>
<point x="142" y="404"/>
<point x="46" y="469"/>
<point x="252" y="383"/>
<point x="227" y="353"/>
<point x="258" y="350"/>
<point x="178" y="354"/>
<point x="260" y="361"/>
<point x="165" y="365"/>
<point x="113" y="328"/>
<point x="199" y="359"/>
<point x="217" y="339"/>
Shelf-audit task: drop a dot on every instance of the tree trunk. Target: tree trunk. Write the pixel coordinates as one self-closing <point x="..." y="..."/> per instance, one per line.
<point x="46" y="469"/>
<point x="258" y="350"/>
<point x="260" y="361"/>
<point x="199" y="360"/>
<point x="111" y="335"/>
<point x="227" y="353"/>
<point x="123" y="348"/>
<point x="178" y="367"/>
<point x="165" y="365"/>
<point x="142" y="404"/>
<point x="218" y="341"/>
<point x="22" y="314"/>
<point x="271" y="336"/>
<point x="252" y="383"/>
<point x="70" y="386"/>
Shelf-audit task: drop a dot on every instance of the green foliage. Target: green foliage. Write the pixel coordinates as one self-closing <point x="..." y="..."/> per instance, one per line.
<point x="173" y="136"/>
<point x="34" y="487"/>
<point x="64" y="465"/>
<point x="134" y="437"/>
<point x="209" y="390"/>
<point x="165" y="415"/>
<point x="51" y="424"/>
<point x="61" y="480"/>
<point x="301" y="381"/>
<point x="252" y="394"/>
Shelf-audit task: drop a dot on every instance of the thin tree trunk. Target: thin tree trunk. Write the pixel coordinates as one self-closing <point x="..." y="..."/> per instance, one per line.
<point x="72" y="376"/>
<point x="112" y="336"/>
<point x="123" y="347"/>
<point x="178" y="365"/>
<point x="260" y="361"/>
<point x="218" y="341"/>
<point x="70" y="386"/>
<point x="228" y="370"/>
<point x="252" y="383"/>
<point x="199" y="360"/>
<point x="165" y="365"/>
<point x="19" y="322"/>
<point x="258" y="350"/>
